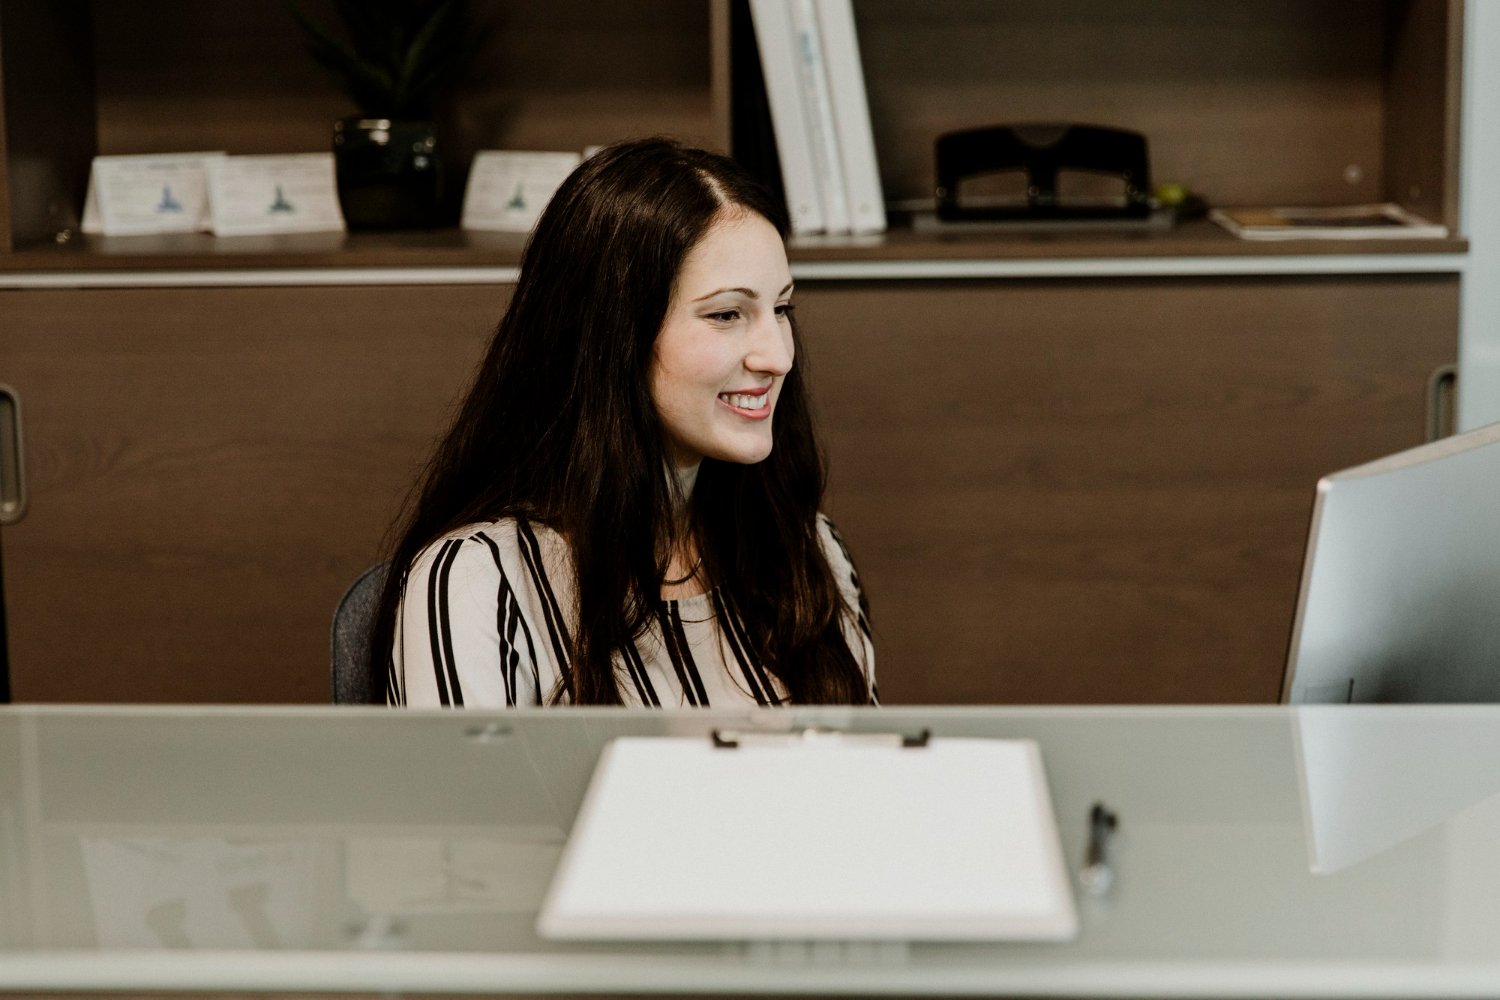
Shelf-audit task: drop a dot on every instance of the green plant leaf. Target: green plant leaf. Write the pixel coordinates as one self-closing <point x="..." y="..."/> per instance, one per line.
<point x="365" y="83"/>
<point x="400" y="53"/>
<point x="443" y="73"/>
<point x="368" y="33"/>
<point x="426" y="51"/>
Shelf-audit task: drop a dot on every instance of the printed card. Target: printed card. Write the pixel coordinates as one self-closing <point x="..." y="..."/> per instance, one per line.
<point x="136" y="195"/>
<point x="508" y="189"/>
<point x="274" y="194"/>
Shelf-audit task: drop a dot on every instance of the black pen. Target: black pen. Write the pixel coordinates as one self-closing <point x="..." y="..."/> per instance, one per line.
<point x="1098" y="874"/>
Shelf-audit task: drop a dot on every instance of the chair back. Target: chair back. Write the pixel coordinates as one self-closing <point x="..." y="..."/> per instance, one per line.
<point x="349" y="645"/>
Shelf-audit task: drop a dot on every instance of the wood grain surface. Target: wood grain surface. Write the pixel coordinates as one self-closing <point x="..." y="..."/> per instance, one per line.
<point x="459" y="248"/>
<point x="1262" y="102"/>
<point x="1423" y="98"/>
<point x="209" y="470"/>
<point x="1063" y="491"/>
<point x="1099" y="491"/>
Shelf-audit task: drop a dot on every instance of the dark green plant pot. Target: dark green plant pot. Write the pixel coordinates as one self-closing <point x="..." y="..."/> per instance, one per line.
<point x="387" y="173"/>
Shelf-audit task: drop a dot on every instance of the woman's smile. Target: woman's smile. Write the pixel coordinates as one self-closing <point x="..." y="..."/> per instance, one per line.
<point x="752" y="404"/>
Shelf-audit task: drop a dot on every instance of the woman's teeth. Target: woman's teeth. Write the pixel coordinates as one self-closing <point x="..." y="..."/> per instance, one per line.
<point x="744" y="401"/>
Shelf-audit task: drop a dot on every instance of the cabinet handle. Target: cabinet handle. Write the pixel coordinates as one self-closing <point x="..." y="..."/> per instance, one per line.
<point x="12" y="458"/>
<point x="1440" y="386"/>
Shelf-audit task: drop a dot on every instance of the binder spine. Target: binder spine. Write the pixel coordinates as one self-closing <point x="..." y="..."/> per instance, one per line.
<point x="851" y="112"/>
<point x="817" y="106"/>
<point x="773" y="35"/>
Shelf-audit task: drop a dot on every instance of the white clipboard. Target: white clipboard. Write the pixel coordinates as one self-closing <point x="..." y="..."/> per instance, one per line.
<point x="813" y="837"/>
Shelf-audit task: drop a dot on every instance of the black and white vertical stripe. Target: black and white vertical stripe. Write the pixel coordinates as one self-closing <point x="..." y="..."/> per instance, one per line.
<point x="486" y="621"/>
<point x="861" y="604"/>
<point x="733" y="628"/>
<point x="440" y="625"/>
<point x="508" y="620"/>
<point x="680" y="652"/>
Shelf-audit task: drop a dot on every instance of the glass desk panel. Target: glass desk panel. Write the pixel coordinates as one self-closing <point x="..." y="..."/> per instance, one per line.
<point x="1330" y="850"/>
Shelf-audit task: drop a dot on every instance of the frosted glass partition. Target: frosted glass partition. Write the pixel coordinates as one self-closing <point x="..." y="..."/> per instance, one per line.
<point x="1320" y="851"/>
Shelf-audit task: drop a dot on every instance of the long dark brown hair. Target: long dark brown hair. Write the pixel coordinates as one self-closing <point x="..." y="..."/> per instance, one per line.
<point x="560" y="428"/>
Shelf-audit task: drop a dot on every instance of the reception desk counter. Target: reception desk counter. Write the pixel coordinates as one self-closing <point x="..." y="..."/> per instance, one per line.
<point x="1261" y="852"/>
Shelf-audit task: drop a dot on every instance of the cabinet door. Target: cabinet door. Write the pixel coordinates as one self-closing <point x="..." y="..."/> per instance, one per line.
<point x="209" y="469"/>
<point x="1056" y="491"/>
<point x="1099" y="491"/>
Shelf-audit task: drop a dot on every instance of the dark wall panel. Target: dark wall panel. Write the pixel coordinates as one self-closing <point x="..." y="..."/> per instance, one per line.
<point x="1099" y="491"/>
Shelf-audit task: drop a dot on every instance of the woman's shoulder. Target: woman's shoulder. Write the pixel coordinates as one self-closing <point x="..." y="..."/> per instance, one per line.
<point x="506" y="546"/>
<point x="833" y="542"/>
<point x="475" y="604"/>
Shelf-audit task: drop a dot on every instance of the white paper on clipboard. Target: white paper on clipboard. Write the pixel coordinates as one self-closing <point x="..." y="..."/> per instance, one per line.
<point x="832" y="839"/>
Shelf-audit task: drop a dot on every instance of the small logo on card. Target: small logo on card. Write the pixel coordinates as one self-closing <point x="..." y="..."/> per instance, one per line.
<point x="281" y="204"/>
<point x="168" y="203"/>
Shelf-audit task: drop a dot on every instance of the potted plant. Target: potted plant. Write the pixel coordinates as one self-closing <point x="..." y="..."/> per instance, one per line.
<point x="395" y="60"/>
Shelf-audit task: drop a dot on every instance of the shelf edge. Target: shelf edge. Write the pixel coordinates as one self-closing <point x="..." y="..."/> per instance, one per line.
<point x="854" y="270"/>
<point x="262" y="277"/>
<point x="1129" y="267"/>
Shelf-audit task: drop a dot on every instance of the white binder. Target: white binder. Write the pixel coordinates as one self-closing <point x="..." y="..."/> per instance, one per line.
<point x="817" y="108"/>
<point x="825" y="837"/>
<point x="776" y="40"/>
<point x="851" y="113"/>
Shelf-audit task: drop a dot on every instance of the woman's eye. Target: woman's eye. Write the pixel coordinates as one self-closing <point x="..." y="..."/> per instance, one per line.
<point x="727" y="316"/>
<point x="785" y="310"/>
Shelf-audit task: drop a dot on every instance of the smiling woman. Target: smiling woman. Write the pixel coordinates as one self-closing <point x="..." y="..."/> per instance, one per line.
<point x="626" y="509"/>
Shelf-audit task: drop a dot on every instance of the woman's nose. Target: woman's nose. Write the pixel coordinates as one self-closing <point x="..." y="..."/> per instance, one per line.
<point x="770" y="345"/>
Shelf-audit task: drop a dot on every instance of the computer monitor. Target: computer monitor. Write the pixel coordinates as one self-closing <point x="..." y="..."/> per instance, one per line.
<point x="1400" y="598"/>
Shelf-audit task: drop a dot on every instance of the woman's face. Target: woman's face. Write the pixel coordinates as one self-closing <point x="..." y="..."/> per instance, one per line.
<point x="726" y="345"/>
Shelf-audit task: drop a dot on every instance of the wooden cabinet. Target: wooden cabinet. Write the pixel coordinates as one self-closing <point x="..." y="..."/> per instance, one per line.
<point x="1057" y="491"/>
<point x="209" y="471"/>
<point x="1099" y="491"/>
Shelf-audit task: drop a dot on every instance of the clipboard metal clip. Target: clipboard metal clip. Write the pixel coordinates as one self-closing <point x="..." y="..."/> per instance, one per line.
<point x="728" y="739"/>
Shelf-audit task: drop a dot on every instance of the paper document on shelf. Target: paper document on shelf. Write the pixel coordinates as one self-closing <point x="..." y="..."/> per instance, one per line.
<point x="1340" y="222"/>
<point x="678" y="839"/>
<point x="295" y="193"/>
<point x="508" y="189"/>
<point x="144" y="194"/>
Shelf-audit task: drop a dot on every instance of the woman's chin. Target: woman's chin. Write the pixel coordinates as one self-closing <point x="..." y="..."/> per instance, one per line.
<point x="741" y="452"/>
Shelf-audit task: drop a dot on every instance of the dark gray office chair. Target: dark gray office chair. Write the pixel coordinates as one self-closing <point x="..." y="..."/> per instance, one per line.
<point x="350" y="641"/>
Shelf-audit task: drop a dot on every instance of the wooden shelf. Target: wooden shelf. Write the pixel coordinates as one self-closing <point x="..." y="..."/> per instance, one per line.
<point x="200" y="251"/>
<point x="1193" y="239"/>
<point x="448" y="248"/>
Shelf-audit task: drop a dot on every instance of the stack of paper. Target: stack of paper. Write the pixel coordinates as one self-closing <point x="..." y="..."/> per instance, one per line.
<point x="830" y="839"/>
<point x="1340" y="222"/>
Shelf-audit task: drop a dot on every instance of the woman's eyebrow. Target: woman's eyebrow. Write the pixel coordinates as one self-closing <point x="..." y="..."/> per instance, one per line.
<point x="749" y="293"/>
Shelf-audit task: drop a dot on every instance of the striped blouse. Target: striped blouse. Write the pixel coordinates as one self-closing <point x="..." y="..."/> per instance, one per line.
<point x="486" y="615"/>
